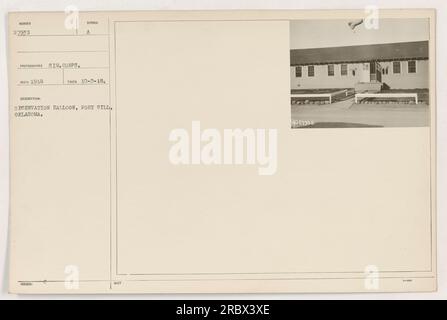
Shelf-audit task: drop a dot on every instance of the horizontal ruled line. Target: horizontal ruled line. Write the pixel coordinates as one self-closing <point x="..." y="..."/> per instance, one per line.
<point x="63" y="51"/>
<point x="65" y="35"/>
<point x="46" y="68"/>
<point x="62" y="84"/>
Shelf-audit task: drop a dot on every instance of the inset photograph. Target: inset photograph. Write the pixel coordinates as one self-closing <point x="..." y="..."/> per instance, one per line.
<point x="353" y="74"/>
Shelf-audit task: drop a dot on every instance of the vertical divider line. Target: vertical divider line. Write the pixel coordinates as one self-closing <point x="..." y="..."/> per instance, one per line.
<point x="116" y="150"/>
<point x="110" y="165"/>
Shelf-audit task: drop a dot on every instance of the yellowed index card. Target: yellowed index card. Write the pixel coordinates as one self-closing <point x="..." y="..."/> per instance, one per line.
<point x="230" y="151"/>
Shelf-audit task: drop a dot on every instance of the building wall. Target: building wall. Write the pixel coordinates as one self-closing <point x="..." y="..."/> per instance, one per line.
<point x="321" y="80"/>
<point x="405" y="80"/>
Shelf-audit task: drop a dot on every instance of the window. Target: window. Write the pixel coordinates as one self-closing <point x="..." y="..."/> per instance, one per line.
<point x="396" y="66"/>
<point x="385" y="70"/>
<point x="344" y="69"/>
<point x="330" y="70"/>
<point x="412" y="66"/>
<point x="298" y="71"/>
<point x="310" y="71"/>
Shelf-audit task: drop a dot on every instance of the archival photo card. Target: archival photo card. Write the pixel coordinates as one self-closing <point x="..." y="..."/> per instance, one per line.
<point x="152" y="152"/>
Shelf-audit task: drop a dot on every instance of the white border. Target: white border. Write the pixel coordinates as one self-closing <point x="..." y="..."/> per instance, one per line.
<point x="97" y="5"/>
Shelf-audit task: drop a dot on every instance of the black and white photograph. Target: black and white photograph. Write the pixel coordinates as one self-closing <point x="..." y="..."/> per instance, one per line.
<point x="357" y="73"/>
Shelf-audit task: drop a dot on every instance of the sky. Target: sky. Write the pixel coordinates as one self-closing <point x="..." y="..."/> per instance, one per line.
<point x="335" y="33"/>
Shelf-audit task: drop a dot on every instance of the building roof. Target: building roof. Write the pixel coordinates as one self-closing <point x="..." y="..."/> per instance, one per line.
<point x="372" y="52"/>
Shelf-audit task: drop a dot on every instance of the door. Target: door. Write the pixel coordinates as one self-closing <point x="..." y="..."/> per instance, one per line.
<point x="365" y="77"/>
<point x="375" y="72"/>
<point x="372" y="71"/>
